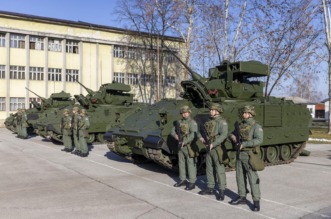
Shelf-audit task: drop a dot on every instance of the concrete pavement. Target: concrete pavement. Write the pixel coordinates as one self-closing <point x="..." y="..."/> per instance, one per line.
<point x="38" y="180"/>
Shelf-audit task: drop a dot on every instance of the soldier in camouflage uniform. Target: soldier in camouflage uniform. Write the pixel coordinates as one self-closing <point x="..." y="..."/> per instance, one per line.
<point x="185" y="133"/>
<point x="83" y="126"/>
<point x="216" y="129"/>
<point x="75" y="119"/>
<point x="24" y="124"/>
<point x="251" y="135"/>
<point x="19" y="123"/>
<point x="66" y="131"/>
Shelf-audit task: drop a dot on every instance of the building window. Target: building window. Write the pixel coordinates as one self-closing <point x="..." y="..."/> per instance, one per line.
<point x="132" y="78"/>
<point x="36" y="43"/>
<point x="132" y="53"/>
<point x="17" y="72"/>
<point x="54" y="45"/>
<point x="2" y="72"/>
<point x="119" y="52"/>
<point x="36" y="73"/>
<point x="74" y="75"/>
<point x="71" y="46"/>
<point x="17" y="41"/>
<point x="54" y="74"/>
<point x="33" y="99"/>
<point x="2" y="40"/>
<point x="2" y="103"/>
<point x="170" y="81"/>
<point x="16" y="103"/>
<point x="119" y="77"/>
<point x="145" y="79"/>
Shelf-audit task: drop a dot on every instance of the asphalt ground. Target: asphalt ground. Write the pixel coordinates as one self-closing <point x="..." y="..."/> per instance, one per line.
<point x="38" y="180"/>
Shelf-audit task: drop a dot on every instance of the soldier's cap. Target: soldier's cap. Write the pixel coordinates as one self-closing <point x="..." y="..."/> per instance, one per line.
<point x="185" y="109"/>
<point x="75" y="108"/>
<point x="249" y="109"/>
<point x="65" y="111"/>
<point x="217" y="107"/>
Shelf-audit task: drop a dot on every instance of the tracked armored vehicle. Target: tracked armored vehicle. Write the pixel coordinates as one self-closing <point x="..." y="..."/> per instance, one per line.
<point x="146" y="135"/>
<point x="107" y="107"/>
<point x="55" y="101"/>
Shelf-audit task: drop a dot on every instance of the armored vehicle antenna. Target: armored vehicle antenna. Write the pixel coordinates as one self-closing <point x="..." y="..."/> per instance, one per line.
<point x="42" y="98"/>
<point x="89" y="91"/>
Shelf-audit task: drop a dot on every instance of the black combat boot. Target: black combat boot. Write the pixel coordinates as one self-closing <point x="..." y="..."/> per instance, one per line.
<point x="181" y="183"/>
<point x="220" y="196"/>
<point x="208" y="191"/>
<point x="256" y="206"/>
<point x="190" y="186"/>
<point x="64" y="149"/>
<point x="238" y="201"/>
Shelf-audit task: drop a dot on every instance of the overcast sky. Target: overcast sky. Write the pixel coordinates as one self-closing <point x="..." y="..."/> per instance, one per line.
<point x="92" y="11"/>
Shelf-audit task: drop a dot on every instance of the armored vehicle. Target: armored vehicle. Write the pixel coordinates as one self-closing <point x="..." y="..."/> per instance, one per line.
<point x="146" y="135"/>
<point x="56" y="100"/>
<point x="107" y="107"/>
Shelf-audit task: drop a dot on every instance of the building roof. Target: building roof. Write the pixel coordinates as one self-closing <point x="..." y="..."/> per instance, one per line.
<point x="296" y="99"/>
<point x="81" y="24"/>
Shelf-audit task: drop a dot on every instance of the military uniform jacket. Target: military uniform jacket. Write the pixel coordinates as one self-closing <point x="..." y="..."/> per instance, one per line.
<point x="66" y="122"/>
<point x="76" y="118"/>
<point x="216" y="130"/>
<point x="251" y="133"/>
<point x="188" y="128"/>
<point x="84" y="123"/>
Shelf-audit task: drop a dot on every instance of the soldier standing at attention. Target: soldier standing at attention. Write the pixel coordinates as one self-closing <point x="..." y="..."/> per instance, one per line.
<point x="19" y="123"/>
<point x="24" y="124"/>
<point x="83" y="126"/>
<point x="216" y="129"/>
<point x="66" y="131"/>
<point x="251" y="135"/>
<point x="75" y="119"/>
<point x="185" y="133"/>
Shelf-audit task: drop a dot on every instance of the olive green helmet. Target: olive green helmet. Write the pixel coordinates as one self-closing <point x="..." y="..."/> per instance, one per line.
<point x="217" y="107"/>
<point x="185" y="109"/>
<point x="83" y="111"/>
<point x="75" y="109"/>
<point x="65" y="111"/>
<point x="249" y="109"/>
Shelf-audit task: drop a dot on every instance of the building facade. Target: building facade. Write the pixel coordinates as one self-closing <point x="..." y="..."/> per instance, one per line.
<point x="39" y="53"/>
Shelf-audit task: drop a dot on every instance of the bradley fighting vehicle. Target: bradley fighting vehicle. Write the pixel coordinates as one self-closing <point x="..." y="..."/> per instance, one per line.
<point x="56" y="100"/>
<point x="146" y="135"/>
<point x="106" y="107"/>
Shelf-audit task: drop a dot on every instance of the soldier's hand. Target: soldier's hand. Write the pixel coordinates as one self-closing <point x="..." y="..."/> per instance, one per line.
<point x="233" y="138"/>
<point x="211" y="146"/>
<point x="241" y="146"/>
<point x="202" y="140"/>
<point x="176" y="137"/>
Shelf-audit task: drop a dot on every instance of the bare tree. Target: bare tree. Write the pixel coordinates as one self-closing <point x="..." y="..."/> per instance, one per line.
<point x="149" y="21"/>
<point x="327" y="23"/>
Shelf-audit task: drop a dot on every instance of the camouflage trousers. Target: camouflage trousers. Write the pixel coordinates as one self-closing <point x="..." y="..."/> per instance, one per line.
<point x="215" y="170"/>
<point x="185" y="162"/>
<point x="244" y="171"/>
<point x="67" y="142"/>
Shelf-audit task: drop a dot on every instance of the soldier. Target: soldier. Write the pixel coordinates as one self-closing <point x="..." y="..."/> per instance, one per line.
<point x="19" y="122"/>
<point x="251" y="135"/>
<point x="185" y="133"/>
<point x="75" y="119"/>
<point x="24" y="124"/>
<point x="66" y="123"/>
<point x="216" y="129"/>
<point x="83" y="126"/>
